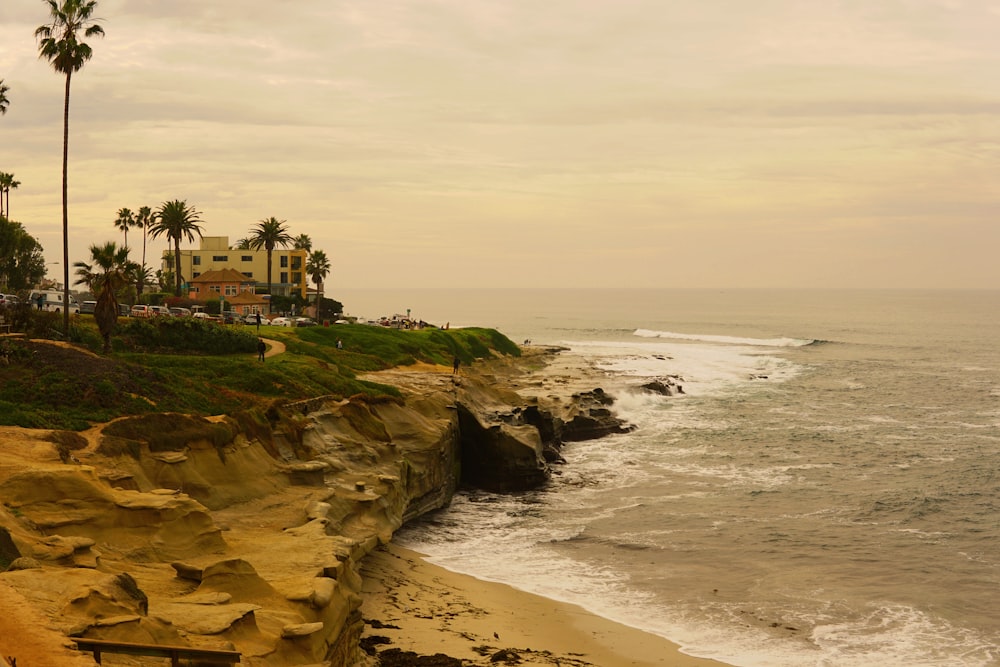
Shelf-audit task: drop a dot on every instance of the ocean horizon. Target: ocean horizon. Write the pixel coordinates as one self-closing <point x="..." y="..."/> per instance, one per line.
<point x="825" y="492"/>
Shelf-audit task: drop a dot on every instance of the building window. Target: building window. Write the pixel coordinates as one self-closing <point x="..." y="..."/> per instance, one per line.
<point x="231" y="290"/>
<point x="296" y="262"/>
<point x="283" y="277"/>
<point x="220" y="258"/>
<point x="248" y="274"/>
<point x="247" y="258"/>
<point x="196" y="260"/>
<point x="193" y="291"/>
<point x="197" y="273"/>
<point x="296" y="278"/>
<point x="284" y="261"/>
<point x="213" y="288"/>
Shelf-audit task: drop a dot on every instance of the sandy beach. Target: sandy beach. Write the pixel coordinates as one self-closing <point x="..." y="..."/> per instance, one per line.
<point x="415" y="606"/>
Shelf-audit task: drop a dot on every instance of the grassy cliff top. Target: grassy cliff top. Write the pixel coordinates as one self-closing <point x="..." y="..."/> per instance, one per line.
<point x="180" y="365"/>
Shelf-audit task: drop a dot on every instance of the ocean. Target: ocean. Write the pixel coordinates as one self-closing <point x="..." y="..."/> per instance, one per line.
<point x="825" y="492"/>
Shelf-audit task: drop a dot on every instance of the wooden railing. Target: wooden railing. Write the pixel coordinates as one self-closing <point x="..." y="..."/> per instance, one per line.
<point x="175" y="653"/>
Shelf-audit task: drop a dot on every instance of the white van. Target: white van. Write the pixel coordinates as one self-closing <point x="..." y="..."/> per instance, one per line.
<point x="52" y="300"/>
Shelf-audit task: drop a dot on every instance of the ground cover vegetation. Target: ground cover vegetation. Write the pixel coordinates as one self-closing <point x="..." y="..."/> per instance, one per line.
<point x="182" y="365"/>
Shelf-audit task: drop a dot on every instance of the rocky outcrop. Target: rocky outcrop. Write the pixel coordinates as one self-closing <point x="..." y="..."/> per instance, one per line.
<point x="245" y="532"/>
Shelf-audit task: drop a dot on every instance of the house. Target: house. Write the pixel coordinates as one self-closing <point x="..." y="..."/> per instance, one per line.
<point x="288" y="272"/>
<point x="235" y="289"/>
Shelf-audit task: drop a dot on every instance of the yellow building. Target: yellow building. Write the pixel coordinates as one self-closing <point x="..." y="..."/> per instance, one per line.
<point x="288" y="267"/>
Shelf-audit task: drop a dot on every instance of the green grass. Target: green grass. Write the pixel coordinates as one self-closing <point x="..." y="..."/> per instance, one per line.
<point x="207" y="369"/>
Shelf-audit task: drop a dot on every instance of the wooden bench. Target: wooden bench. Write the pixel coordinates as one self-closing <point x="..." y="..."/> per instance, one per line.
<point x="175" y="653"/>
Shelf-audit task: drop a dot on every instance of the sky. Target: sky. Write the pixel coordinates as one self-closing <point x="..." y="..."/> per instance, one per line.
<point x="516" y="143"/>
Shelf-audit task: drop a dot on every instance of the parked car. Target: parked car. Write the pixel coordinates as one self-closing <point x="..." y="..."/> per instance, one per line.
<point x="252" y="319"/>
<point x="88" y="307"/>
<point x="232" y="317"/>
<point x="9" y="300"/>
<point x="141" y="310"/>
<point x="282" y="322"/>
<point x="177" y="311"/>
<point x="160" y="311"/>
<point x="304" y="322"/>
<point x="205" y="317"/>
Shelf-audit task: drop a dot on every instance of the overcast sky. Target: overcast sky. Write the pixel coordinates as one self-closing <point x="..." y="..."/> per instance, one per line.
<point x="618" y="143"/>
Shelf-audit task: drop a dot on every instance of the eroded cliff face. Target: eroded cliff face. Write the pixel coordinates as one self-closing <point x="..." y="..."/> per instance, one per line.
<point x="246" y="532"/>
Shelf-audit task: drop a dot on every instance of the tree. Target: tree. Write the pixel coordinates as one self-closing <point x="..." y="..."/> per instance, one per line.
<point x="268" y="234"/>
<point x="143" y="276"/>
<point x="242" y="244"/>
<point x="144" y="219"/>
<point x="110" y="272"/>
<point x="176" y="220"/>
<point x="318" y="268"/>
<point x="59" y="43"/>
<point x="22" y="263"/>
<point x="303" y="242"/>
<point x="4" y="102"/>
<point x="125" y="220"/>
<point x="7" y="183"/>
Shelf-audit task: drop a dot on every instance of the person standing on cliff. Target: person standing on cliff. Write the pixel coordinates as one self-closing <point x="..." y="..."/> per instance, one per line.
<point x="261" y="349"/>
<point x="455" y="364"/>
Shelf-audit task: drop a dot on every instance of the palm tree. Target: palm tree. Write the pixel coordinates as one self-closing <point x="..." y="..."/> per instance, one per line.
<point x="110" y="272"/>
<point x="5" y="178"/>
<point x="267" y="234"/>
<point x="242" y="244"/>
<point x="144" y="219"/>
<point x="59" y="43"/>
<point x="4" y="102"/>
<point x="125" y="220"/>
<point x="7" y="183"/>
<point x="176" y="220"/>
<point x="142" y="275"/>
<point x="303" y="242"/>
<point x="318" y="268"/>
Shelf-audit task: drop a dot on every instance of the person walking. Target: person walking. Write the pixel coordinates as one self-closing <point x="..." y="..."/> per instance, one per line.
<point x="258" y="322"/>
<point x="261" y="349"/>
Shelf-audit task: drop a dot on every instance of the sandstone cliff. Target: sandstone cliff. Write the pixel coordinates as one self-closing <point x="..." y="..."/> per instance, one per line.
<point x="246" y="531"/>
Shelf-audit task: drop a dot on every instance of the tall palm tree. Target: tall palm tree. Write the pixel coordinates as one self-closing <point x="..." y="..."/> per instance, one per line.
<point x="5" y="178"/>
<point x="242" y="244"/>
<point x="318" y="268"/>
<point x="144" y="219"/>
<point x="109" y="273"/>
<point x="7" y="183"/>
<point x="125" y="220"/>
<point x="303" y="242"/>
<point x="10" y="185"/>
<point x="176" y="220"/>
<point x="4" y="102"/>
<point x="59" y="43"/>
<point x="269" y="233"/>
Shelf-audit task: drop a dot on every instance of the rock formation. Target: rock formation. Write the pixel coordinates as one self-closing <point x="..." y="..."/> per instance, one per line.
<point x="245" y="532"/>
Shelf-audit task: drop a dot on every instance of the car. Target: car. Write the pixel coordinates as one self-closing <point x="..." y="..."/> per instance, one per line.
<point x="177" y="311"/>
<point x="88" y="307"/>
<point x="252" y="319"/>
<point x="232" y="317"/>
<point x="160" y="311"/>
<point x="141" y="310"/>
<point x="282" y="322"/>
<point x="202" y="315"/>
<point x="303" y="322"/>
<point x="9" y="300"/>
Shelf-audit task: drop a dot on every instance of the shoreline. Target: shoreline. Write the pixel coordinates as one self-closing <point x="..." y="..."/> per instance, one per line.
<point x="417" y="606"/>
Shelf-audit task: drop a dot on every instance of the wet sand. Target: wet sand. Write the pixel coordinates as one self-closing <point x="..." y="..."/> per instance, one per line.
<point x="425" y="609"/>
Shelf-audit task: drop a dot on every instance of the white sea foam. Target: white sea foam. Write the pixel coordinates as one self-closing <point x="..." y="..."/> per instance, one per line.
<point x="731" y="340"/>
